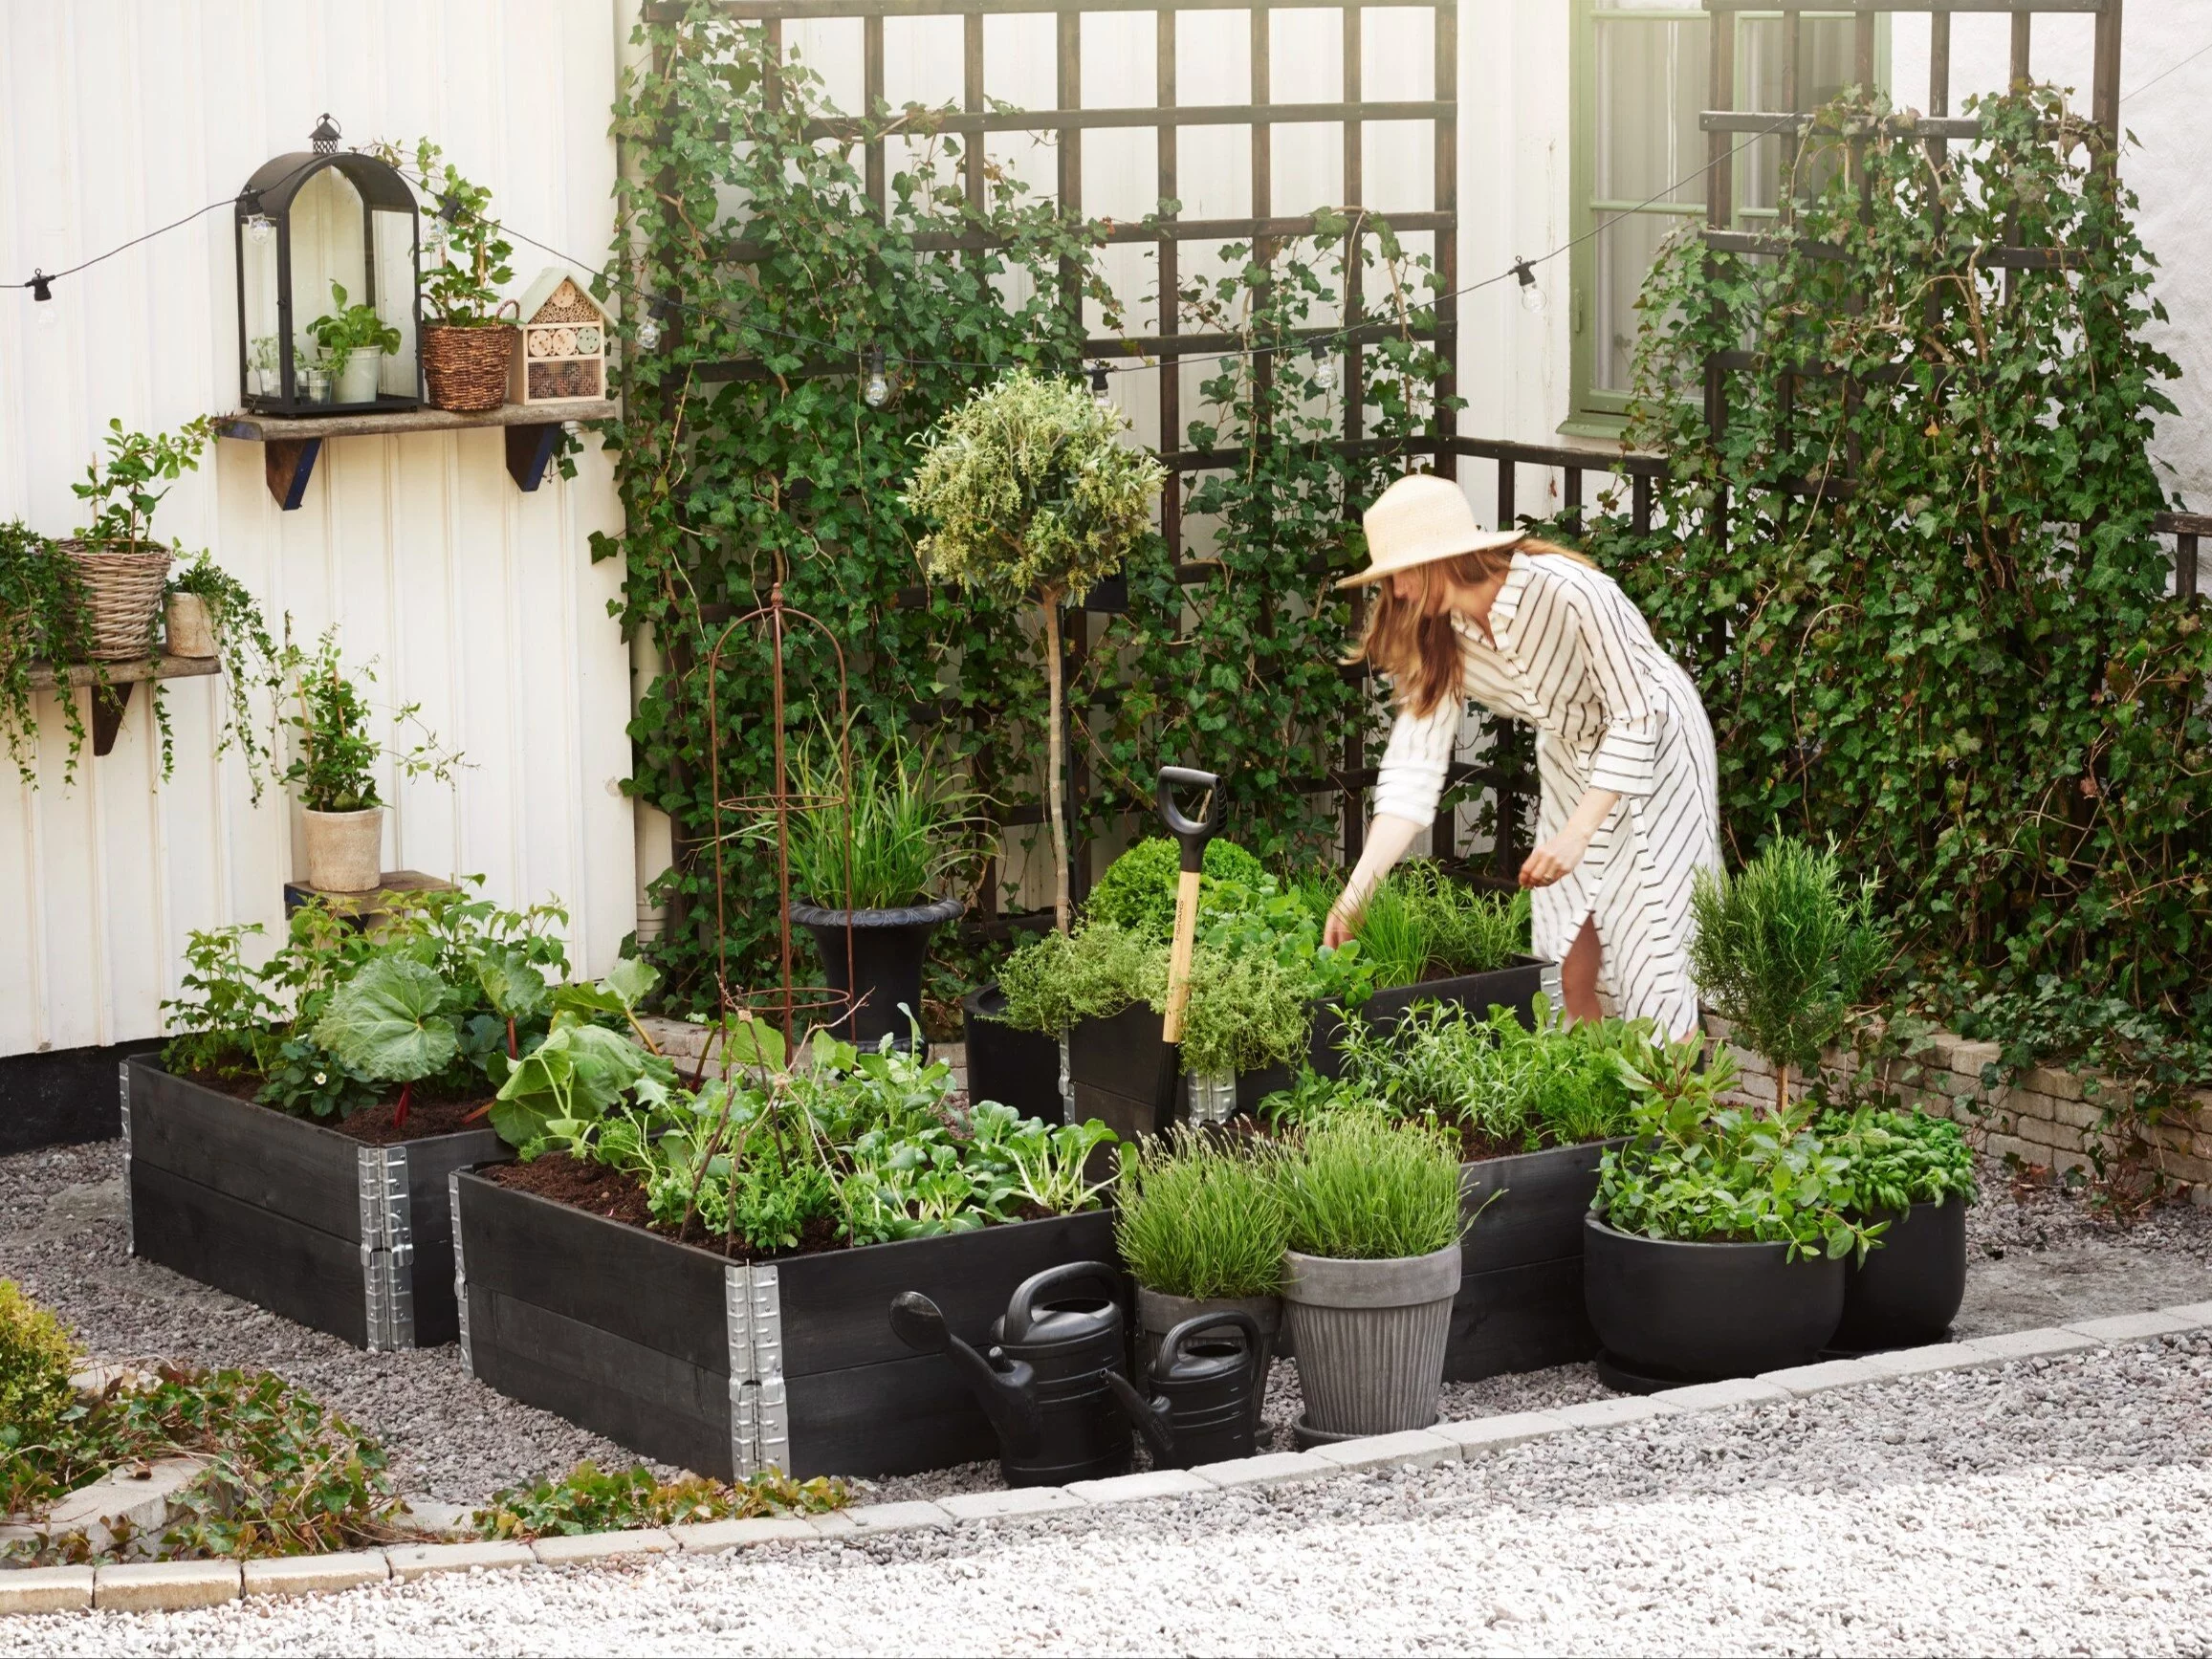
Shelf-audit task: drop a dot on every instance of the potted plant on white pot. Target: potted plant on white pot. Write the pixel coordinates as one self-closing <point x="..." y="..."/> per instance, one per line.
<point x="468" y="349"/>
<point x="1035" y="498"/>
<point x="1373" y="1223"/>
<point x="334" y="767"/>
<point x="354" y="340"/>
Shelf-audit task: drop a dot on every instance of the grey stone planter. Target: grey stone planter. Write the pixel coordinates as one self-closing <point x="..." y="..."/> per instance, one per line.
<point x="1158" y="1314"/>
<point x="1370" y="1338"/>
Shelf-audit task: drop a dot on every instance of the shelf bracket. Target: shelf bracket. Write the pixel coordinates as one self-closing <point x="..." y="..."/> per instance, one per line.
<point x="529" y="449"/>
<point x="288" y="464"/>
<point x="109" y="705"/>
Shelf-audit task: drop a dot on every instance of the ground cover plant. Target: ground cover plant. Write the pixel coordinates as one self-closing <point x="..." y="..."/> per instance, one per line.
<point x="783" y="1152"/>
<point x="286" y="1476"/>
<point x="1499" y="1085"/>
<point x="1970" y="672"/>
<point x="1360" y="1186"/>
<point x="1701" y="1172"/>
<point x="1199" y="1215"/>
<point x="448" y="995"/>
<point x="590" y="1499"/>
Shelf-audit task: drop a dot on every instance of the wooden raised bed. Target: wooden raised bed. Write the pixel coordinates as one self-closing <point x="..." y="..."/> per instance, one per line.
<point x="1113" y="1064"/>
<point x="1519" y="1305"/>
<point x="290" y="1216"/>
<point x="689" y="1357"/>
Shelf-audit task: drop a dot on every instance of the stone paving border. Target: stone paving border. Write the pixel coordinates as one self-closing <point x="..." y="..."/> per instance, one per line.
<point x="168" y="1586"/>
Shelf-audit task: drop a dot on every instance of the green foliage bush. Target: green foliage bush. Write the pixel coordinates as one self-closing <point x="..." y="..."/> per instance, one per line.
<point x="589" y="1500"/>
<point x="1901" y="1158"/>
<point x="1360" y="1187"/>
<point x="1198" y="1216"/>
<point x="1968" y="671"/>
<point x="36" y="1357"/>
<point x="1138" y="890"/>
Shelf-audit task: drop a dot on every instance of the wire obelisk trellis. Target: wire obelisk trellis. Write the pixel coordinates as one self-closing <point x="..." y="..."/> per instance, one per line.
<point x="788" y="1001"/>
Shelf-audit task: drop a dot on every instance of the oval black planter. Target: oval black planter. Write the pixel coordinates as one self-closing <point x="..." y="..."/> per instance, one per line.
<point x="1908" y="1290"/>
<point x="1016" y="1068"/>
<point x="887" y="951"/>
<point x="1668" y="1313"/>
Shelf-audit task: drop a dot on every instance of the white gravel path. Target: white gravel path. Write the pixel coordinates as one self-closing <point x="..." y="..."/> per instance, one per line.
<point x="2055" y="1505"/>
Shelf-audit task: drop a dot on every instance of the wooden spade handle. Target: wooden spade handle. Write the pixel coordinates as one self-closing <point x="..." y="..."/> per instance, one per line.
<point x="1179" y="956"/>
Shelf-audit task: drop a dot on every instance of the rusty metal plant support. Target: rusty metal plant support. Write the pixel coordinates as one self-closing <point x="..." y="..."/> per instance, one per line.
<point x="779" y="804"/>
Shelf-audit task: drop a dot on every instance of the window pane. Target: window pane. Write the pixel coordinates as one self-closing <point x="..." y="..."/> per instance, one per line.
<point x="1825" y="69"/>
<point x="1650" y="84"/>
<point x="1624" y="252"/>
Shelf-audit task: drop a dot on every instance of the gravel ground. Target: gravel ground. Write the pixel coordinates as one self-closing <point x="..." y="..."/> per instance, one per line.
<point x="2039" y="1257"/>
<point x="2056" y="1505"/>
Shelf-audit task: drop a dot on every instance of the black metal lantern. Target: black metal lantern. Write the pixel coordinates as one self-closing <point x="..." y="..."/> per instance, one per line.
<point x="329" y="284"/>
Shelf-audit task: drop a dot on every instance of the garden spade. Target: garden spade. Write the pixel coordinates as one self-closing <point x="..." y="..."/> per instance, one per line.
<point x="1191" y="837"/>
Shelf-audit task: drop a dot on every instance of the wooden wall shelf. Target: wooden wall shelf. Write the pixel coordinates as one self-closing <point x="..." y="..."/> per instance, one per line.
<point x="110" y="698"/>
<point x="290" y="446"/>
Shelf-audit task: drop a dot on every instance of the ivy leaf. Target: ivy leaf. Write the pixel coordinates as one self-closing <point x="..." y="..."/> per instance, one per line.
<point x="387" y="1022"/>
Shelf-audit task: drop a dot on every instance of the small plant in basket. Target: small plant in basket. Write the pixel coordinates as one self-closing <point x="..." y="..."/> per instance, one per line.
<point x="467" y="345"/>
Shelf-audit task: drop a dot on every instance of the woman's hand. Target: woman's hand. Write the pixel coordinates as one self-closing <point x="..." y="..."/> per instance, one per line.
<point x="1338" y="928"/>
<point x="1555" y="858"/>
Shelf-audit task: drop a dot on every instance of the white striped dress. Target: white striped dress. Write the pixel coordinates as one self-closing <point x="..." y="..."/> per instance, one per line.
<point x="1574" y="658"/>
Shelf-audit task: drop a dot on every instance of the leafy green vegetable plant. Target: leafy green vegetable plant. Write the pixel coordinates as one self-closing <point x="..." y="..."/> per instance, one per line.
<point x="1137" y="893"/>
<point x="1699" y="1172"/>
<point x="1035" y="497"/>
<point x="1359" y="1187"/>
<point x="1900" y="1159"/>
<point x="1782" y="951"/>
<point x="1197" y="1216"/>
<point x="589" y="1500"/>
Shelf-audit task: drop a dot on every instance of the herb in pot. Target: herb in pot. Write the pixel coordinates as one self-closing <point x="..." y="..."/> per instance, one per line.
<point x="462" y="290"/>
<point x="1360" y="1187"/>
<point x="121" y="489"/>
<point x="1900" y="1159"/>
<point x="887" y="826"/>
<point x="1781" y="951"/>
<point x="334" y="768"/>
<point x="1138" y="890"/>
<point x="1201" y="1217"/>
<point x="351" y="333"/>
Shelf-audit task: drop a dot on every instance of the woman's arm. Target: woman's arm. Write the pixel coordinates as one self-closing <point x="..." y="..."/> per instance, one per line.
<point x="1388" y="835"/>
<point x="1565" y="850"/>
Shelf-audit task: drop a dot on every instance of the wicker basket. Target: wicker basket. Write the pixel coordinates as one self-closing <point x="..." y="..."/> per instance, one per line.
<point x="124" y="586"/>
<point x="465" y="369"/>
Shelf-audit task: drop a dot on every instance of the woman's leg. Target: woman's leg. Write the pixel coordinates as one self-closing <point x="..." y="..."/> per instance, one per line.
<point x="1578" y="973"/>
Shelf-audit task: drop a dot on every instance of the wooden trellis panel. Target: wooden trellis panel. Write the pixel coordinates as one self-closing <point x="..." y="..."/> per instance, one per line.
<point x="1170" y="346"/>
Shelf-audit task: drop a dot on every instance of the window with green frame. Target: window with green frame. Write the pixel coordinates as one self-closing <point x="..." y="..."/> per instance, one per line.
<point x="1640" y="70"/>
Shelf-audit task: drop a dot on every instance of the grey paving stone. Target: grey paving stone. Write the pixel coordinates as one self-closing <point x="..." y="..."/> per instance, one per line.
<point x="2131" y="1327"/>
<point x="1827" y="1374"/>
<point x="897" y="1517"/>
<point x="45" y="1590"/>
<point x="1136" y="1488"/>
<point x="731" y="1535"/>
<point x="164" y="1587"/>
<point x="1476" y="1436"/>
<point x="2197" y="1313"/>
<point x="1415" y="1446"/>
<point x="2033" y="1345"/>
<point x="316" y="1575"/>
<point x="1935" y="1356"/>
<point x="1268" y="1469"/>
<point x="420" y="1560"/>
<point x="1605" y="1413"/>
<point x="1718" y="1396"/>
<point x="600" y="1547"/>
<point x="1015" y="1500"/>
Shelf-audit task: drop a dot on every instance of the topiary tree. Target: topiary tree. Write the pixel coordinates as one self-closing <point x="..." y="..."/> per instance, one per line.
<point x="1034" y="497"/>
<point x="1782" y="953"/>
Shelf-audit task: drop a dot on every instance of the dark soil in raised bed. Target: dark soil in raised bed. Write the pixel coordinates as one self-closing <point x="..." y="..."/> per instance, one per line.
<point x="371" y="1125"/>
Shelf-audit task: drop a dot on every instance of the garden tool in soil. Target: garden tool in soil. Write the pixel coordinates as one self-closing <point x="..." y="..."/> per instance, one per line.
<point x="1192" y="839"/>
<point x="1206" y="1391"/>
<point x="1048" y="1375"/>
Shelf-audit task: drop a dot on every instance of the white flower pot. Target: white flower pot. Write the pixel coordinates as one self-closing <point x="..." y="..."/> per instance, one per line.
<point x="357" y="382"/>
<point x="344" y="849"/>
<point x="188" y="632"/>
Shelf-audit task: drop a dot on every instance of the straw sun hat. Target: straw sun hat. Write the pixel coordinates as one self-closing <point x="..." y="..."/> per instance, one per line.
<point x="1417" y="520"/>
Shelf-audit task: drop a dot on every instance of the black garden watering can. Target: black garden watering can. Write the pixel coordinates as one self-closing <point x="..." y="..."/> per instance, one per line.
<point x="1206" y="1391"/>
<point x="1048" y="1381"/>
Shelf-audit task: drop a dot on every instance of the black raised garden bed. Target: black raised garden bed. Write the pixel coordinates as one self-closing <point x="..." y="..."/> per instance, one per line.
<point x="689" y="1357"/>
<point x="290" y="1216"/>
<point x="1520" y="1306"/>
<point x="1113" y="1064"/>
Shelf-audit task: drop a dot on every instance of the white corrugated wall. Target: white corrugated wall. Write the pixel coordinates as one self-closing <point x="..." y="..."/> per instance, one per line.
<point x="476" y="601"/>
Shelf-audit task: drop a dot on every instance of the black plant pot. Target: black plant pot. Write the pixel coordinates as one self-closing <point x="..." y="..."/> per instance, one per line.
<point x="1016" y="1068"/>
<point x="1908" y="1290"/>
<point x="1668" y="1313"/>
<point x="885" y="967"/>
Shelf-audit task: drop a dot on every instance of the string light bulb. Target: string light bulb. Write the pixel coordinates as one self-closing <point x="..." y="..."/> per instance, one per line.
<point x="259" y="229"/>
<point x="1323" y="369"/>
<point x="1099" y="392"/>
<point x="649" y="333"/>
<point x="1532" y="298"/>
<point x="878" y="391"/>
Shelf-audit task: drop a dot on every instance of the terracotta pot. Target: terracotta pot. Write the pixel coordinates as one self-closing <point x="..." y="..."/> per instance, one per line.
<point x="344" y="849"/>
<point x="189" y="631"/>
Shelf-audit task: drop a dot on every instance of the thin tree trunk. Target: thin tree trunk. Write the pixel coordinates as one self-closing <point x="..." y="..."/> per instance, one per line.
<point x="1782" y="1089"/>
<point x="1052" y="667"/>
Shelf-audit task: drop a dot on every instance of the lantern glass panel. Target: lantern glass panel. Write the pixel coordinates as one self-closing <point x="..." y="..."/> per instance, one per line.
<point x="393" y="247"/>
<point x="327" y="232"/>
<point x="263" y="321"/>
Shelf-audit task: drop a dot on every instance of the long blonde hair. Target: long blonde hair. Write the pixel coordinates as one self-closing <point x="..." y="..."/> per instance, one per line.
<point x="1413" y="641"/>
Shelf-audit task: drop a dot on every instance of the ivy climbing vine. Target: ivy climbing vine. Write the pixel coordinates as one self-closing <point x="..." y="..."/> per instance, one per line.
<point x="1915" y="576"/>
<point x="749" y="455"/>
